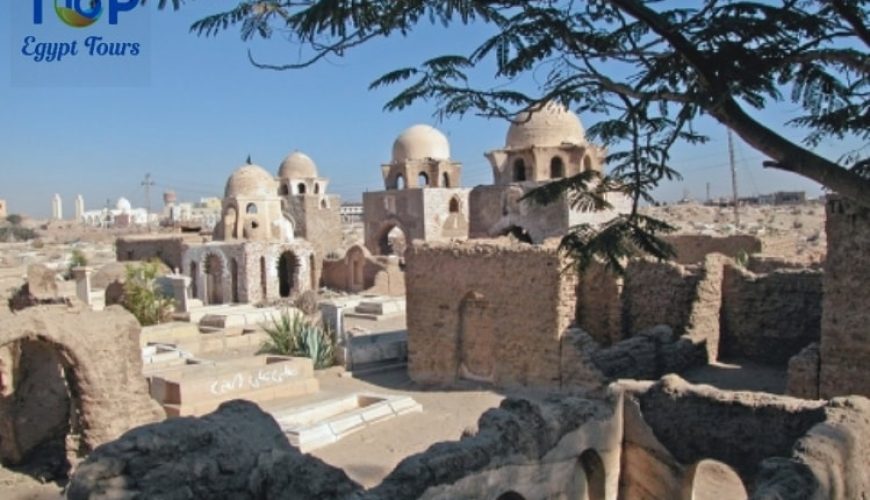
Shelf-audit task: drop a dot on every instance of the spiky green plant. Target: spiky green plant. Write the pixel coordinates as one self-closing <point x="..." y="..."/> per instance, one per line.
<point x="291" y="333"/>
<point x="142" y="297"/>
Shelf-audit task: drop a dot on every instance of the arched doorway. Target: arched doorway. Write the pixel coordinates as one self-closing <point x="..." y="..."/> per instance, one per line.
<point x="234" y="280"/>
<point x="454" y="205"/>
<point x="712" y="480"/>
<point x="356" y="259"/>
<point x="194" y="279"/>
<point x="557" y="168"/>
<point x="519" y="170"/>
<point x="392" y="241"/>
<point x="288" y="268"/>
<point x="214" y="271"/>
<point x="510" y="495"/>
<point x="41" y="407"/>
<point x="593" y="469"/>
<point x="476" y="338"/>
<point x="263" y="295"/>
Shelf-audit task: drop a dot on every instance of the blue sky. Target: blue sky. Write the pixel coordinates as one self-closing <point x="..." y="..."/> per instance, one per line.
<point x="197" y="108"/>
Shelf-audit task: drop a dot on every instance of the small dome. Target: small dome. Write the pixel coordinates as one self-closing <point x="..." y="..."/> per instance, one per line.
<point x="297" y="166"/>
<point x="420" y="142"/>
<point x="123" y="205"/>
<point x="552" y="125"/>
<point x="251" y="180"/>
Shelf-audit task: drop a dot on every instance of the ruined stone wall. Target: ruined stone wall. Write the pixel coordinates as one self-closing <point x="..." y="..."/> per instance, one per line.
<point x="464" y="321"/>
<point x="168" y="249"/>
<point x="599" y="304"/>
<point x="658" y="293"/>
<point x="845" y="342"/>
<point x="692" y="248"/>
<point x="639" y="440"/>
<point x="100" y="362"/>
<point x="380" y="275"/>
<point x="439" y="222"/>
<point x="318" y="221"/>
<point x="769" y="318"/>
<point x="779" y="447"/>
<point x="803" y="373"/>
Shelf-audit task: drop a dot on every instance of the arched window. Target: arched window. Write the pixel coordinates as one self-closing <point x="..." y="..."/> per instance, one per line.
<point x="445" y="180"/>
<point x="316" y="188"/>
<point x="454" y="206"/>
<point x="587" y="163"/>
<point x="324" y="203"/>
<point x="284" y="190"/>
<point x="301" y="188"/>
<point x="519" y="170"/>
<point x="422" y="179"/>
<point x="557" y="168"/>
<point x="251" y="208"/>
<point x="400" y="181"/>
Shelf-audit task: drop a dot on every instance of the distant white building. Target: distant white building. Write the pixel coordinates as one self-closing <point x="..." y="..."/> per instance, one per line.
<point x="205" y="213"/>
<point x="56" y="207"/>
<point x="122" y="215"/>
<point x="351" y="212"/>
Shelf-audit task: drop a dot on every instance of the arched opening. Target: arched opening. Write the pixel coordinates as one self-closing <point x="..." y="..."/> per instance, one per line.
<point x="316" y="188"/>
<point x="251" y="208"/>
<point x="445" y="180"/>
<point x="300" y="188"/>
<point x="263" y="294"/>
<point x="288" y="268"/>
<point x="194" y="279"/>
<point x="356" y="259"/>
<point x="510" y="495"/>
<point x="422" y="180"/>
<point x="324" y="204"/>
<point x="517" y="233"/>
<point x="214" y="271"/>
<point x="234" y="280"/>
<point x="284" y="190"/>
<point x="41" y="408"/>
<point x="587" y="163"/>
<point x="311" y="267"/>
<point x="519" y="170"/>
<point x="400" y="181"/>
<point x="454" y="206"/>
<point x="712" y="480"/>
<point x="593" y="469"/>
<point x="476" y="338"/>
<point x="392" y="241"/>
<point x="557" y="168"/>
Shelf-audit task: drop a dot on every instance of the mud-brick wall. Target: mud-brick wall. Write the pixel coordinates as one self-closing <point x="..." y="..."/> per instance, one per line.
<point x="658" y="293"/>
<point x="169" y="249"/>
<point x="845" y="343"/>
<point x="769" y="318"/>
<point x="522" y="306"/>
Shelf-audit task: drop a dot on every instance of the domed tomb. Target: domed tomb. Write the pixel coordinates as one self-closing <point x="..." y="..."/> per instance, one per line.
<point x="552" y="125"/>
<point x="297" y="165"/>
<point x="251" y="181"/>
<point x="420" y="142"/>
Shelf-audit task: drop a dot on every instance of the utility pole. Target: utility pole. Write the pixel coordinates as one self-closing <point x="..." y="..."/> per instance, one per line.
<point x="733" y="177"/>
<point x="708" y="193"/>
<point x="147" y="183"/>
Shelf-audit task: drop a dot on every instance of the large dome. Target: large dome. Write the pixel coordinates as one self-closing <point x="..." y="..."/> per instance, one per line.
<point x="297" y="166"/>
<point x="123" y="205"/>
<point x="420" y="142"/>
<point x="552" y="125"/>
<point x="251" y="180"/>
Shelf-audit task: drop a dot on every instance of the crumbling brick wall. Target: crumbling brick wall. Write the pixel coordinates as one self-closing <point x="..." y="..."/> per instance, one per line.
<point x="168" y="249"/>
<point x="845" y="339"/>
<point x="513" y="330"/>
<point x="769" y="318"/>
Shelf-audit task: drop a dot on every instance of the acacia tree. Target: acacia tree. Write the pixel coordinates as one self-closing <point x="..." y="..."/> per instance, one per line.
<point x="651" y="70"/>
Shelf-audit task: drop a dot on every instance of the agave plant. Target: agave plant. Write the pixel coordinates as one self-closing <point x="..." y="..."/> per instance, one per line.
<point x="291" y="333"/>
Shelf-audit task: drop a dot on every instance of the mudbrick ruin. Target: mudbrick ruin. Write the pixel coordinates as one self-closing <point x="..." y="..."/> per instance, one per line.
<point x="444" y="347"/>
